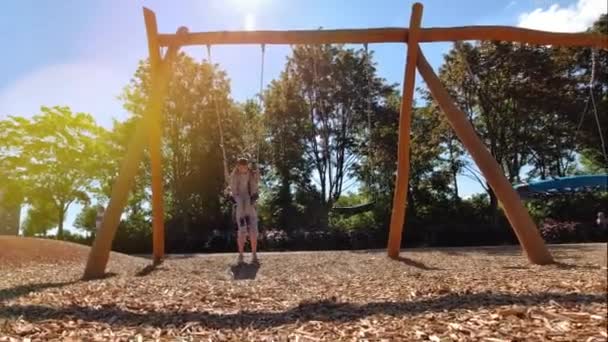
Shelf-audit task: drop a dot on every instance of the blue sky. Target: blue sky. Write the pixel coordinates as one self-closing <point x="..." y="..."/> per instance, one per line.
<point x="82" y="53"/>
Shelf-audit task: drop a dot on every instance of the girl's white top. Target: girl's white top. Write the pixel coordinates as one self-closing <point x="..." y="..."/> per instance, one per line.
<point x="244" y="184"/>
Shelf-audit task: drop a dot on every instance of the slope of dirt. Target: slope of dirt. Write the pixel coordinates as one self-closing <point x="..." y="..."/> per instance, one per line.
<point x="457" y="294"/>
<point x="16" y="251"/>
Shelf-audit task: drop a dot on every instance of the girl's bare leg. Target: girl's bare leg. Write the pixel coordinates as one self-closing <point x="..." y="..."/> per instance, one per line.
<point x="241" y="238"/>
<point x="253" y="239"/>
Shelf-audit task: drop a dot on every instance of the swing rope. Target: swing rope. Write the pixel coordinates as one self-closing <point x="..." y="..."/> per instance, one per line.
<point x="260" y="94"/>
<point x="219" y="121"/>
<point x="370" y="150"/>
<point x="595" y="111"/>
<point x="261" y="98"/>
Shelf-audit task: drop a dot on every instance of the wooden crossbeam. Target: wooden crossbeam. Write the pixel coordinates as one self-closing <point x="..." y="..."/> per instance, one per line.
<point x="386" y="35"/>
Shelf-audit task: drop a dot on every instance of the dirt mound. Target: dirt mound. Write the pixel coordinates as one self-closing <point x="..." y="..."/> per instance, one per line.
<point x="16" y="251"/>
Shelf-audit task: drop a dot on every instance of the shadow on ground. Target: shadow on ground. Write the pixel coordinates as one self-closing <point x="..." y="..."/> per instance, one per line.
<point x="244" y="271"/>
<point x="557" y="264"/>
<point x="326" y="310"/>
<point x="416" y="264"/>
<point x="149" y="269"/>
<point x="502" y="250"/>
<point x="23" y="290"/>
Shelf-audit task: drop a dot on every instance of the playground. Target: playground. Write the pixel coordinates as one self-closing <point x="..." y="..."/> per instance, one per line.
<point x="451" y="294"/>
<point x="192" y="172"/>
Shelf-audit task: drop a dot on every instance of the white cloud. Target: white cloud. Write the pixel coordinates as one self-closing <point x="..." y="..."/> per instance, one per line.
<point x="573" y="18"/>
<point x="84" y="87"/>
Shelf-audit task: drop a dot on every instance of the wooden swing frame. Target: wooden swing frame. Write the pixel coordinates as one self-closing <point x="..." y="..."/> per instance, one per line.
<point x="149" y="128"/>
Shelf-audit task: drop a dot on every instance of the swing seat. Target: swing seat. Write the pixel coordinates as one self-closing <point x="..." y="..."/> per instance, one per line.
<point x="355" y="209"/>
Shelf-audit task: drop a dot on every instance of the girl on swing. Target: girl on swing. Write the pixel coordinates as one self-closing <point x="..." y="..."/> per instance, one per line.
<point x="244" y="193"/>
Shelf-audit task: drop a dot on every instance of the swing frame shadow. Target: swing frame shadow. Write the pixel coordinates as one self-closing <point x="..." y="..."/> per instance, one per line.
<point x="149" y="127"/>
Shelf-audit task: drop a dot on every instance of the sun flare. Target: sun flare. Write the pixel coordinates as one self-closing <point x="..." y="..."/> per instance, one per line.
<point x="249" y="22"/>
<point x="247" y="4"/>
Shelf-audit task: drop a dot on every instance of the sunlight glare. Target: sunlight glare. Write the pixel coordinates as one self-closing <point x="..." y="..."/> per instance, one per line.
<point x="249" y="22"/>
<point x="247" y="4"/>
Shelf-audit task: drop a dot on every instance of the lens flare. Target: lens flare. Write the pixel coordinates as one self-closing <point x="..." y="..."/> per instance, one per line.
<point x="249" y="22"/>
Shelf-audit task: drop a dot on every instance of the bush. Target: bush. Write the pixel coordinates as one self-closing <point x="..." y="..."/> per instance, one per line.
<point x="76" y="238"/>
<point x="274" y="240"/>
<point x="133" y="236"/>
<point x="278" y="240"/>
<point x="577" y="207"/>
<point x="559" y="232"/>
<point x="319" y="240"/>
<point x="219" y="242"/>
<point x="362" y="239"/>
<point x="554" y="231"/>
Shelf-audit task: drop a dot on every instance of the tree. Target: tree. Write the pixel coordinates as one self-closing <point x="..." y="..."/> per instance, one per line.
<point x="87" y="219"/>
<point x="589" y="70"/>
<point x="285" y="118"/>
<point x="429" y="175"/>
<point x="40" y="218"/>
<point x="428" y="181"/>
<point x="336" y="85"/>
<point x="516" y="96"/>
<point x="113" y="154"/>
<point x="253" y="130"/>
<point x="316" y="116"/>
<point x="198" y="101"/>
<point x="55" y="155"/>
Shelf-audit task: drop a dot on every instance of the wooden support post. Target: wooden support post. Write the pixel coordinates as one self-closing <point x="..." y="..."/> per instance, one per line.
<point x="100" y="251"/>
<point x="403" y="154"/>
<point x="518" y="216"/>
<point x="155" y="130"/>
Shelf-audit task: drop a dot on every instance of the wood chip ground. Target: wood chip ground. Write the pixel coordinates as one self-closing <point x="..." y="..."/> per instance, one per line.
<point x="458" y="294"/>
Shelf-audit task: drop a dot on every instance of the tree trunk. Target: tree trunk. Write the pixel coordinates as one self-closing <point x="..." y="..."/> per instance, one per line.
<point x="411" y="204"/>
<point x="60" y="224"/>
<point x="456" y="193"/>
<point x="493" y="208"/>
<point x="455" y="180"/>
<point x="285" y="204"/>
<point x="454" y="169"/>
<point x="324" y="219"/>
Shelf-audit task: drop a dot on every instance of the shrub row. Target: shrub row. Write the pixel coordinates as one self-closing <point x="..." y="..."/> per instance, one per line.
<point x="552" y="231"/>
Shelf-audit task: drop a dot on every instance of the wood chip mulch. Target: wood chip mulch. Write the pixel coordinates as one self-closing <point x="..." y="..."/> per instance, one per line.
<point x="459" y="294"/>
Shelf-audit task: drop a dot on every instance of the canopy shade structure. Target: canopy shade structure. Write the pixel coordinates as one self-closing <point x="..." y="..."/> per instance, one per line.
<point x="565" y="185"/>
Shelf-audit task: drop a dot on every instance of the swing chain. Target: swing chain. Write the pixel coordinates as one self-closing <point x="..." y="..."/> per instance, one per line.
<point x="595" y="111"/>
<point x="261" y="101"/>
<point x="592" y="79"/>
<point x="219" y="119"/>
<point x="262" y="74"/>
